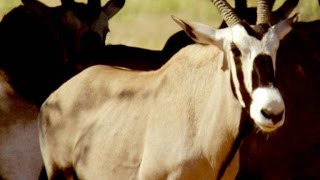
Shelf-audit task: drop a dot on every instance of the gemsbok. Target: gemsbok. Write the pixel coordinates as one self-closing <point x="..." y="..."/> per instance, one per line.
<point x="50" y="41"/>
<point x="178" y="122"/>
<point x="38" y="47"/>
<point x="20" y="157"/>
<point x="293" y="151"/>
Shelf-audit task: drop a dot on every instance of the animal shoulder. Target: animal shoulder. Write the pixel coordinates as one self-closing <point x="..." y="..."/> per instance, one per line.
<point x="192" y="56"/>
<point x="107" y="79"/>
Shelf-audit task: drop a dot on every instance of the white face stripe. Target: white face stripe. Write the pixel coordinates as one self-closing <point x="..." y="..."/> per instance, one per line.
<point x="236" y="83"/>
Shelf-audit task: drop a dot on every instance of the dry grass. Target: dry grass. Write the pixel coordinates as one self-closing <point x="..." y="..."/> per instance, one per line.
<point x="147" y="23"/>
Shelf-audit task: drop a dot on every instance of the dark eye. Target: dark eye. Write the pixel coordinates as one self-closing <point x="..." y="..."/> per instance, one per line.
<point x="235" y="51"/>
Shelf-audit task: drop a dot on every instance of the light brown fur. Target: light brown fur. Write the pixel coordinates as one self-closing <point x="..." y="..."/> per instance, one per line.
<point x="178" y="122"/>
<point x="20" y="156"/>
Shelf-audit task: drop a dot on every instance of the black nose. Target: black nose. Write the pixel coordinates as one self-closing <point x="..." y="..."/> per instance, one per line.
<point x="275" y="118"/>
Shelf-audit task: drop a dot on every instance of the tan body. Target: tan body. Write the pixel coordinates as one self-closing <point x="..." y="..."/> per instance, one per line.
<point x="20" y="157"/>
<point x="178" y="122"/>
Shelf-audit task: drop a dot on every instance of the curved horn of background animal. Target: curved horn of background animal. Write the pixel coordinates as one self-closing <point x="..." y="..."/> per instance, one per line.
<point x="240" y="5"/>
<point x="112" y="7"/>
<point x="263" y="12"/>
<point x="285" y="10"/>
<point x="226" y="12"/>
<point x="271" y="3"/>
<point x="241" y="8"/>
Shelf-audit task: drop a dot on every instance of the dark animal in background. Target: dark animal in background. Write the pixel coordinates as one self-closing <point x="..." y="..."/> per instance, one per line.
<point x="38" y="47"/>
<point x="40" y="44"/>
<point x="292" y="152"/>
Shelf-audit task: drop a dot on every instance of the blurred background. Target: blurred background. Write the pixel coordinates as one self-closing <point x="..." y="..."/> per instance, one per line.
<point x="148" y="23"/>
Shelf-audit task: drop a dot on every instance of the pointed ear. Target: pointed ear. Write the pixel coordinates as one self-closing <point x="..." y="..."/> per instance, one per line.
<point x="283" y="27"/>
<point x="71" y="21"/>
<point x="204" y="34"/>
<point x="112" y="7"/>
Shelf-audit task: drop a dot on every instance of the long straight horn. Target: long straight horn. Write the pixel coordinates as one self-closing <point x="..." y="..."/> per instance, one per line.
<point x="241" y="9"/>
<point x="112" y="7"/>
<point x="263" y="12"/>
<point x="285" y="10"/>
<point x="226" y="12"/>
<point x="240" y="5"/>
<point x="271" y="3"/>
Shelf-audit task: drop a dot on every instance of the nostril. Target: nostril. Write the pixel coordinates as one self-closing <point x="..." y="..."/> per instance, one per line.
<point x="266" y="113"/>
<point x="275" y="118"/>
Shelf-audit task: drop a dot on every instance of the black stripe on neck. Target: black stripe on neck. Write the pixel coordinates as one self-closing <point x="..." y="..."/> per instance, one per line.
<point x="245" y="127"/>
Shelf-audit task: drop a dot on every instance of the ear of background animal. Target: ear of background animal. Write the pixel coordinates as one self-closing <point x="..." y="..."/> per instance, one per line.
<point x="112" y="7"/>
<point x="284" y="27"/>
<point x="71" y="21"/>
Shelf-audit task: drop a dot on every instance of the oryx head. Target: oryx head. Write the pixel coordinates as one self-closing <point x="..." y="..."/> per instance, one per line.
<point x="84" y="26"/>
<point x="251" y="54"/>
<point x="88" y="24"/>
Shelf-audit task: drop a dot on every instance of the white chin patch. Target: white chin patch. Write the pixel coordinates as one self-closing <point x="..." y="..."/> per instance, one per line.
<point x="267" y="109"/>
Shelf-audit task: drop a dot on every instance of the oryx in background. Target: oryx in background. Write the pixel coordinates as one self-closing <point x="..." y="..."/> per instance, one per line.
<point x="38" y="47"/>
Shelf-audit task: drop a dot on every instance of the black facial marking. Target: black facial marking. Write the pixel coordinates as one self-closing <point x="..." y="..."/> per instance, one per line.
<point x="244" y="93"/>
<point x="189" y="31"/>
<point x="64" y="173"/>
<point x="233" y="88"/>
<point x="263" y="72"/>
<point x="257" y="31"/>
<point x="235" y="51"/>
